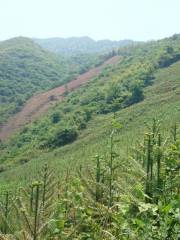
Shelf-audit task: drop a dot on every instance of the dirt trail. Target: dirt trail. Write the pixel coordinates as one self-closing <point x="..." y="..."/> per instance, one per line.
<point x="40" y="103"/>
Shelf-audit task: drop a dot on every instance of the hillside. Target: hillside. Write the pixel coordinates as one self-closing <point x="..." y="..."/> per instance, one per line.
<point x="80" y="45"/>
<point x="40" y="103"/>
<point x="161" y="101"/>
<point x="26" y="69"/>
<point x="117" y="89"/>
<point x="102" y="163"/>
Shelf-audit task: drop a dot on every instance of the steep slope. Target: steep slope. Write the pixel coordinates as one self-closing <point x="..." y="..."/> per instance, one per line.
<point x="40" y="103"/>
<point x="75" y="45"/>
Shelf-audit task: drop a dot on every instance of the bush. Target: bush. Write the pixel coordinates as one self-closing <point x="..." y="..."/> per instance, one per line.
<point x="55" y="117"/>
<point x="63" y="137"/>
<point x="137" y="94"/>
<point x="88" y="114"/>
<point x="167" y="59"/>
<point x="81" y="125"/>
<point x="2" y="168"/>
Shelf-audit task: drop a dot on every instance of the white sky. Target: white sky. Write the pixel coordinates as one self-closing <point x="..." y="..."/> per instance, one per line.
<point x="99" y="19"/>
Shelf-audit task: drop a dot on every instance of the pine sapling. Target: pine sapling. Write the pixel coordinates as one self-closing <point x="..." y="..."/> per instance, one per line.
<point x="36" y="212"/>
<point x="159" y="161"/>
<point x="111" y="170"/>
<point x="45" y="176"/>
<point x="98" y="179"/>
<point x="148" y="187"/>
<point x="31" y="197"/>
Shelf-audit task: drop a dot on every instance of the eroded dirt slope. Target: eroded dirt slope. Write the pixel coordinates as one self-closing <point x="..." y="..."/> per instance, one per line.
<point x="40" y="103"/>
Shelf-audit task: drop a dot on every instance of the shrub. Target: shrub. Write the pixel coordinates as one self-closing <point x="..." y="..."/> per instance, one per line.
<point x="63" y="137"/>
<point x="137" y="94"/>
<point x="55" y="118"/>
<point x="81" y="125"/>
<point x="88" y="114"/>
<point x="167" y="59"/>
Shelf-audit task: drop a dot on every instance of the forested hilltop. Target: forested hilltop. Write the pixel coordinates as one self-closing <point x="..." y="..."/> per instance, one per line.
<point x="103" y="163"/>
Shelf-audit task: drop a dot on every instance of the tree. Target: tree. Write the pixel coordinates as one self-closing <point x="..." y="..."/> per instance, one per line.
<point x="63" y="137"/>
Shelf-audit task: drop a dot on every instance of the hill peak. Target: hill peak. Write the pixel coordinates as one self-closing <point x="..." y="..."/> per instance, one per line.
<point x="19" y="42"/>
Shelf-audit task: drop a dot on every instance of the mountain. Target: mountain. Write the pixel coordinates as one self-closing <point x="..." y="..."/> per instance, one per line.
<point x="76" y="45"/>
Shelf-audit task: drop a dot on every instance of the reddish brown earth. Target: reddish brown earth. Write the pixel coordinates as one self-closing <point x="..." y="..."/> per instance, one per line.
<point x="40" y="103"/>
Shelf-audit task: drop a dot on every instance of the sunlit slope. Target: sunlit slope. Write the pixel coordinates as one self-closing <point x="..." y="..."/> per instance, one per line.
<point x="162" y="101"/>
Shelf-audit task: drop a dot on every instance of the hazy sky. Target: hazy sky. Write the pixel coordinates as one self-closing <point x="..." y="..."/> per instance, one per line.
<point x="99" y="19"/>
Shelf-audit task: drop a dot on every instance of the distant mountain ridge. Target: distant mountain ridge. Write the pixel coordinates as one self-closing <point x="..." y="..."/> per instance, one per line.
<point x="74" y="45"/>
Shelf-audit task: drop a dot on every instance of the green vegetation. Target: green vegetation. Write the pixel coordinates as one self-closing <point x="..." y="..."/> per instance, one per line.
<point x="86" y="170"/>
<point x="26" y="69"/>
<point x="116" y="88"/>
<point x="132" y="199"/>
